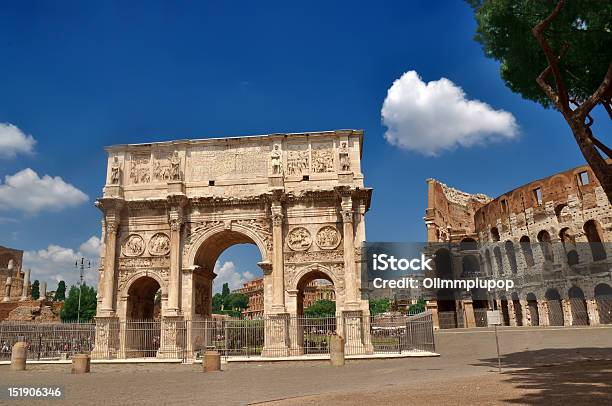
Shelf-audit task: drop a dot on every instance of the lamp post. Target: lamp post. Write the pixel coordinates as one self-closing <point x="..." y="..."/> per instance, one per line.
<point x="81" y="268"/>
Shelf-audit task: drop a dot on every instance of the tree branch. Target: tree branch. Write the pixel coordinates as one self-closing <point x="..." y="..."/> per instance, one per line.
<point x="561" y="98"/>
<point x="598" y="96"/>
<point x="599" y="144"/>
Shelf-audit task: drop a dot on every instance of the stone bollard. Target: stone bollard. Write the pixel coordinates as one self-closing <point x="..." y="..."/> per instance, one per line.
<point x="336" y="350"/>
<point x="19" y="356"/>
<point x="81" y="363"/>
<point x="211" y="361"/>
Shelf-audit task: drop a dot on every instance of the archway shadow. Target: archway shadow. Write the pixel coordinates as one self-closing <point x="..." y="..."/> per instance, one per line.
<point x="574" y="376"/>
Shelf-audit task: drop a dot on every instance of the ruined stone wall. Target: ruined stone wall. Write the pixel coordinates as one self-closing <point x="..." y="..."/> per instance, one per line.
<point x="6" y="255"/>
<point x="450" y="212"/>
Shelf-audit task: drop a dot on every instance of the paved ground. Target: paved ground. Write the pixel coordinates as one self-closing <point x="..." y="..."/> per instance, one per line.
<point x="539" y="366"/>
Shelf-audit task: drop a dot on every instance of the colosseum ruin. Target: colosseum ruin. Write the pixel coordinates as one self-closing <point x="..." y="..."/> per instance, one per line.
<point x="551" y="236"/>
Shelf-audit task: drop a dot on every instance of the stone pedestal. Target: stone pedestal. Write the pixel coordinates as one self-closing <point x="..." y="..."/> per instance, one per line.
<point x="107" y="338"/>
<point x="176" y="187"/>
<point x="81" y="364"/>
<point x="172" y="337"/>
<point x="336" y="350"/>
<point x="356" y="329"/>
<point x="25" y="287"/>
<point x="567" y="312"/>
<point x="211" y="361"/>
<point x="19" y="355"/>
<point x="276" y="336"/>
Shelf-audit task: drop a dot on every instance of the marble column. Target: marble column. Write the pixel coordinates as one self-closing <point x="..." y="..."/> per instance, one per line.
<point x="7" y="289"/>
<point x="350" y="280"/>
<point x="108" y="288"/>
<point x="174" y="287"/>
<point x="43" y="291"/>
<point x="278" y="271"/>
<point x="26" y="285"/>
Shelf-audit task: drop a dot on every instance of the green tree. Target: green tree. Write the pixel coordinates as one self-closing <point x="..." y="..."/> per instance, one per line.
<point x="378" y="306"/>
<point x="236" y="301"/>
<point x="225" y="291"/>
<point x="418" y="307"/>
<point x="35" y="290"/>
<point x="60" y="292"/>
<point x="217" y="302"/>
<point x="558" y="54"/>
<point x="71" y="304"/>
<point x="321" y="308"/>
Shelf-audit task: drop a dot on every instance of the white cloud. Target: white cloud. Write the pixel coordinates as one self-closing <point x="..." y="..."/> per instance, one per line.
<point x="56" y="263"/>
<point x="227" y="273"/>
<point x="13" y="141"/>
<point x="436" y="116"/>
<point x="91" y="247"/>
<point x="28" y="192"/>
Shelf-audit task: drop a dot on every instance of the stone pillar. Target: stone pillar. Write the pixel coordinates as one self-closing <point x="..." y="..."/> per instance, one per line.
<point x="567" y="312"/>
<point x="350" y="280"/>
<point x="468" y="310"/>
<point x="26" y="285"/>
<point x="278" y="271"/>
<point x="107" y="338"/>
<point x="526" y="312"/>
<point x="43" y="291"/>
<point x="592" y="311"/>
<point x="174" y="287"/>
<point x="511" y="313"/>
<point x="108" y="287"/>
<point x="543" y="313"/>
<point x="7" y="289"/>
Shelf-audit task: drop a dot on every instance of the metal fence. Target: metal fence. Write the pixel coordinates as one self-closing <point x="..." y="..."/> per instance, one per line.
<point x="189" y="339"/>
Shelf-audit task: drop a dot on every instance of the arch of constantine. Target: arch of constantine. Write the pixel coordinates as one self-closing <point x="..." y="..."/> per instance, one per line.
<point x="171" y="208"/>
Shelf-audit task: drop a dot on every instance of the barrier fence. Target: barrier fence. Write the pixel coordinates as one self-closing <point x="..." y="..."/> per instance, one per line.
<point x="189" y="339"/>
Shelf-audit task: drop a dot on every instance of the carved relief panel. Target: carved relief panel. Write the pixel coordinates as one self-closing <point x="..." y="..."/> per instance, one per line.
<point x="328" y="238"/>
<point x="322" y="157"/>
<point x="133" y="246"/>
<point x="299" y="239"/>
<point x="140" y="168"/>
<point x="159" y="244"/>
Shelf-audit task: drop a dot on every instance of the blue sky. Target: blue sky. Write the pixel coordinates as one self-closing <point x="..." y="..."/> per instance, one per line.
<point x="78" y="76"/>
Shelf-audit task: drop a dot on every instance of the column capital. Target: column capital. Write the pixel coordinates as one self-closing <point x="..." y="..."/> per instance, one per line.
<point x="347" y="216"/>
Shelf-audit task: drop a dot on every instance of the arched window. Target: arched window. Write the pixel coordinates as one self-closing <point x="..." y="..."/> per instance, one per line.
<point x="525" y="244"/>
<point x="569" y="246"/>
<point x="546" y="245"/>
<point x="498" y="260"/>
<point x="488" y="261"/>
<point x="592" y="229"/>
<point x="509" y="246"/>
<point x="494" y="234"/>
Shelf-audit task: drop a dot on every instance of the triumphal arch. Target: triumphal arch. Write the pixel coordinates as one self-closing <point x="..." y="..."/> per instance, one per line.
<point x="171" y="208"/>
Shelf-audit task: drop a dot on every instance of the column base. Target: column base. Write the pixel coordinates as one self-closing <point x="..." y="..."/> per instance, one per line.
<point x="107" y="343"/>
<point x="276" y="336"/>
<point x="356" y="333"/>
<point x="173" y="337"/>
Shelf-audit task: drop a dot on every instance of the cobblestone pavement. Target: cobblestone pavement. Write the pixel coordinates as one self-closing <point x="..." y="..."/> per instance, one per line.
<point x="539" y="366"/>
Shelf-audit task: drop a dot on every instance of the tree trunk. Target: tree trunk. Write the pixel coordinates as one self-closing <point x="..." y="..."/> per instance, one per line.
<point x="601" y="168"/>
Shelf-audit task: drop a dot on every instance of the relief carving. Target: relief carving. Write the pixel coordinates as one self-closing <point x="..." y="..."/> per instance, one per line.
<point x="161" y="169"/>
<point x="139" y="168"/>
<point x="345" y="160"/>
<point x="322" y="160"/>
<point x="297" y="162"/>
<point x="133" y="246"/>
<point x="276" y="158"/>
<point x="159" y="244"/>
<point x="175" y="167"/>
<point x="314" y="256"/>
<point x="115" y="172"/>
<point x="299" y="239"/>
<point x="328" y="238"/>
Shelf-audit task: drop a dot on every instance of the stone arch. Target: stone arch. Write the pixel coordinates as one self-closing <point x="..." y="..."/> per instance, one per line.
<point x="546" y="245"/>
<point x="511" y="254"/>
<point x="603" y="297"/>
<point x="327" y="273"/>
<point x="305" y="277"/>
<point x="569" y="246"/>
<point x="580" y="316"/>
<point x="525" y="244"/>
<point x="141" y="297"/>
<point x="495" y="234"/>
<point x="518" y="309"/>
<point x="234" y="234"/>
<point x="125" y="285"/>
<point x="555" y="308"/>
<point x="594" y="233"/>
<point x="470" y="266"/>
